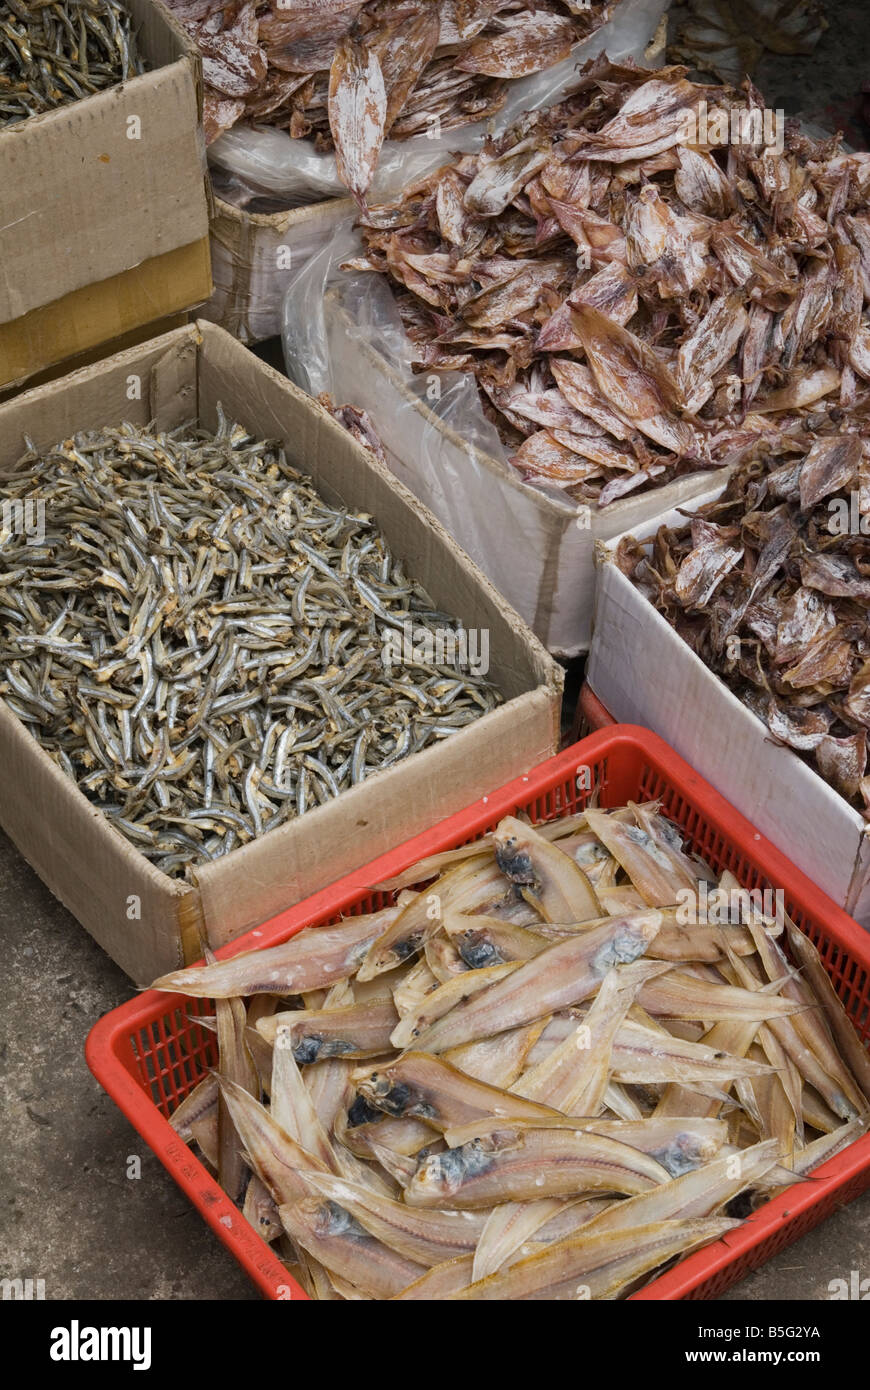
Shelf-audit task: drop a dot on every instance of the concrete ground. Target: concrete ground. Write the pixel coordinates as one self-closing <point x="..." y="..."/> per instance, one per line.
<point x="69" y="1215"/>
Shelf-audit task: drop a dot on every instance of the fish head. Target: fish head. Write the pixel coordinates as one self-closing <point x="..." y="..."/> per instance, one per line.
<point x="392" y="1096"/>
<point x="630" y="940"/>
<point x="447" y="1172"/>
<point x="512" y="852"/>
<point x="477" y="951"/>
<point x="362" y="1112"/>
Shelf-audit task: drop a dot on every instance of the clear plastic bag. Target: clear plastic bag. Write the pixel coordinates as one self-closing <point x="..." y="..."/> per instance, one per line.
<point x="267" y="160"/>
<point x="342" y="334"/>
<point x="325" y="305"/>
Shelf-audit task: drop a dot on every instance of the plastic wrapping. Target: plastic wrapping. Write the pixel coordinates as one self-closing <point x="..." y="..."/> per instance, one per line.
<point x="342" y="334"/>
<point x="268" y="160"/>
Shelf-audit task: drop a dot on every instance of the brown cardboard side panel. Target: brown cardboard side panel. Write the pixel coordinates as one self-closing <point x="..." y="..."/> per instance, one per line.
<point x="343" y="470"/>
<point x="111" y="308"/>
<point x="81" y="201"/>
<point x="95" y="354"/>
<point x="274" y="873"/>
<point x="100" y="878"/>
<point x="254" y="255"/>
<point x="103" y="394"/>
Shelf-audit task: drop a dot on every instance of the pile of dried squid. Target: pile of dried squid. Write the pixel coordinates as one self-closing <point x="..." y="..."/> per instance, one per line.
<point x="347" y="74"/>
<point x="638" y="293"/>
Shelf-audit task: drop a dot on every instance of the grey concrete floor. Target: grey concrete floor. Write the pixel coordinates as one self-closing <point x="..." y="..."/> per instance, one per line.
<point x="68" y="1212"/>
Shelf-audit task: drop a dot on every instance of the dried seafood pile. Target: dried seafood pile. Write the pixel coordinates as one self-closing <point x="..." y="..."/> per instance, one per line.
<point x="347" y="74"/>
<point x="53" y="52"/>
<point x="203" y="644"/>
<point x="770" y="586"/>
<point x="636" y="300"/>
<point x="572" y="1074"/>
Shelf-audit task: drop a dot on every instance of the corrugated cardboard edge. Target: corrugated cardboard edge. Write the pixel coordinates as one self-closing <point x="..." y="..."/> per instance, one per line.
<point x="646" y="674"/>
<point x="95" y="872"/>
<point x="94" y="354"/>
<point x="248" y="289"/>
<point x="96" y="314"/>
<point x="560" y="610"/>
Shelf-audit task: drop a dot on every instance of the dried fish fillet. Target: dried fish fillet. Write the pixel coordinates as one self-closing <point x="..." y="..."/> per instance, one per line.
<point x="568" y="1122"/>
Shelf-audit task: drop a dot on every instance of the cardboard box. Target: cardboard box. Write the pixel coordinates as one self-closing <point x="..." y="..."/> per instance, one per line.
<point x="537" y="548"/>
<point x="646" y="674"/>
<point x="148" y="922"/>
<point x="253" y="255"/>
<point x="104" y="209"/>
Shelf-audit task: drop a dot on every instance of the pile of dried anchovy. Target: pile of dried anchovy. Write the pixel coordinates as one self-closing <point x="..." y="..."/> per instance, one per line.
<point x="314" y="67"/>
<point x="770" y="586"/>
<point x="198" y="639"/>
<point x="635" y="299"/>
<point x="539" y="1089"/>
<point x="56" y="51"/>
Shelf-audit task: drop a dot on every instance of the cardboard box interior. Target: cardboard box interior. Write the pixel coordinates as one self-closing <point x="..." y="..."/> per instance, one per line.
<point x="87" y="864"/>
<point x="646" y="674"/>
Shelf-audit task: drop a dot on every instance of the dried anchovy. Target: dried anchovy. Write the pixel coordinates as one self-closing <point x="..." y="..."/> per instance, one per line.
<point x="53" y="52"/>
<point x="770" y="586"/>
<point x="198" y="638"/>
<point x="307" y="64"/>
<point x="636" y="304"/>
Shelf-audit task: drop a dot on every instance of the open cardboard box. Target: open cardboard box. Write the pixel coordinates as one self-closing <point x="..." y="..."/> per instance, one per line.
<point x="254" y="254"/>
<point x="104" y="209"/>
<point x="537" y="548"/>
<point x="646" y="674"/>
<point x="148" y="922"/>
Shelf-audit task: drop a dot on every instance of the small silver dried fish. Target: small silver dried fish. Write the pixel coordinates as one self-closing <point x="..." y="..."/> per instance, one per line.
<point x="205" y="645"/>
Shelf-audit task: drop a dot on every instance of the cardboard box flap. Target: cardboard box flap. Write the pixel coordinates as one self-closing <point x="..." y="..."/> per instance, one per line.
<point x="137" y="171"/>
<point x="160" y="37"/>
<point x="105" y="393"/>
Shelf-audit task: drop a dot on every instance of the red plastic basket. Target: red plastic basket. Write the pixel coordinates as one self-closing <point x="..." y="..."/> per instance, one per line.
<point x="149" y="1053"/>
<point x="591" y="711"/>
